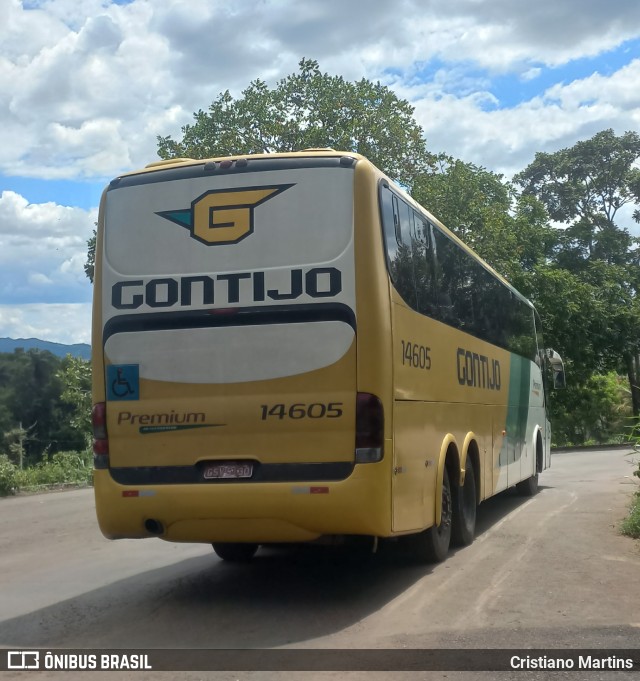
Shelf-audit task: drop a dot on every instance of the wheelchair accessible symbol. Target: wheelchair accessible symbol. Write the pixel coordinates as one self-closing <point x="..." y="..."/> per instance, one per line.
<point x="123" y="382"/>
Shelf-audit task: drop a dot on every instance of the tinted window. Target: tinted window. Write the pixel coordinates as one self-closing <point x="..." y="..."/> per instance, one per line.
<point x="397" y="231"/>
<point x="437" y="277"/>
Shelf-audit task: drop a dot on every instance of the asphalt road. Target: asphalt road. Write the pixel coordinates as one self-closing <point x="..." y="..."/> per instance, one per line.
<point x="547" y="572"/>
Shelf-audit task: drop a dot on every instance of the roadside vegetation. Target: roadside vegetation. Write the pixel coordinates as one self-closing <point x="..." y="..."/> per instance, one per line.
<point x="45" y="405"/>
<point x="631" y="524"/>
<point x="60" y="470"/>
<point x="558" y="231"/>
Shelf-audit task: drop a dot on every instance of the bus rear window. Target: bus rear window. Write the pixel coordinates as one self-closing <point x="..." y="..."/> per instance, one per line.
<point x="227" y="223"/>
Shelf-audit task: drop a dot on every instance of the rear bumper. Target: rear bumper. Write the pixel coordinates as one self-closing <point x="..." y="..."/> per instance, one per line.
<point x="262" y="513"/>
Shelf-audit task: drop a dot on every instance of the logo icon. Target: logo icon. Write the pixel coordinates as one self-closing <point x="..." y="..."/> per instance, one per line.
<point x="123" y="382"/>
<point x="23" y="659"/>
<point x="223" y="216"/>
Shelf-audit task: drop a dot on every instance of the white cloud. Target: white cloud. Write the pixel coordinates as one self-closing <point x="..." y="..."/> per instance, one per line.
<point x="502" y="34"/>
<point x="42" y="250"/>
<point x="505" y="140"/>
<point x="88" y="86"/>
<point x="60" y="323"/>
<point x="36" y="278"/>
<point x="531" y="74"/>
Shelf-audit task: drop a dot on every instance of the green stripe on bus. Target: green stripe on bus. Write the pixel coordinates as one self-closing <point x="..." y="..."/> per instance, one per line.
<point x="518" y="409"/>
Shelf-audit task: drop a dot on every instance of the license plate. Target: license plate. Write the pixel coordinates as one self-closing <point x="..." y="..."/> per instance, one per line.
<point x="228" y="470"/>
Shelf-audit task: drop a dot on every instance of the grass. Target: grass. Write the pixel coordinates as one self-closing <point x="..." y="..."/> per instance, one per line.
<point x="631" y="524"/>
<point x="60" y="469"/>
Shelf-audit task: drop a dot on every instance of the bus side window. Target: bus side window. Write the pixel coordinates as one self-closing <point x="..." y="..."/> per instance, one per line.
<point x="397" y="231"/>
<point x="406" y="222"/>
<point x="408" y="291"/>
<point x="388" y="222"/>
<point x="446" y="277"/>
<point x="424" y="267"/>
<point x="396" y="219"/>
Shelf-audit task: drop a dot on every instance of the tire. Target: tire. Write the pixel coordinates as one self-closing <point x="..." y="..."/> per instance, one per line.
<point x="432" y="545"/>
<point x="463" y="530"/>
<point x="235" y="553"/>
<point x="528" y="487"/>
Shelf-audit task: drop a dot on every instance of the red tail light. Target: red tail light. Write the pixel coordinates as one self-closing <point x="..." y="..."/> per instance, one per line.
<point x="100" y="439"/>
<point x="369" y="428"/>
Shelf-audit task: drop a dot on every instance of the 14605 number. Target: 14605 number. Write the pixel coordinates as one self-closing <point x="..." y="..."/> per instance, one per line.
<point x="317" y="410"/>
<point x="416" y="356"/>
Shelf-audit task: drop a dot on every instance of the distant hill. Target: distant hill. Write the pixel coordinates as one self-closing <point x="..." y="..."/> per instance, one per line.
<point x="77" y="349"/>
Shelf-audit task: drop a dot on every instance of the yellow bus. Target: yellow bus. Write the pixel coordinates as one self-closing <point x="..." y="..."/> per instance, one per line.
<point x="288" y="348"/>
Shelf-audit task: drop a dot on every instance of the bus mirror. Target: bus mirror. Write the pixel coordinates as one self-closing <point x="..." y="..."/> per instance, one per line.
<point x="557" y="367"/>
<point x="559" y="380"/>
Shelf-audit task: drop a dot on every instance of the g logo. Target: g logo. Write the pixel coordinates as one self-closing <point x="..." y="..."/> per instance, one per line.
<point x="223" y="216"/>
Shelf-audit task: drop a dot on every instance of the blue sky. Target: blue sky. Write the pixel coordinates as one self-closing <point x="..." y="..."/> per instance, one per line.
<point x="510" y="89"/>
<point x="87" y="86"/>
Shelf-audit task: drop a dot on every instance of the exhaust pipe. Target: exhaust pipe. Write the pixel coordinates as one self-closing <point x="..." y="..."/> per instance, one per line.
<point x="154" y="527"/>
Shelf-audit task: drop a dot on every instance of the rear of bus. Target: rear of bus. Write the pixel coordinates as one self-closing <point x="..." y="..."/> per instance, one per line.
<point x="225" y="354"/>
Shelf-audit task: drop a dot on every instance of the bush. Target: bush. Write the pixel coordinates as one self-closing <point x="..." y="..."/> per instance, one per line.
<point x="62" y="468"/>
<point x="631" y="524"/>
<point x="592" y="412"/>
<point x="8" y="471"/>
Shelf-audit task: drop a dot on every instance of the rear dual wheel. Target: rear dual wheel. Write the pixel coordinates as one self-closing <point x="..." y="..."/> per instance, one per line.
<point x="432" y="545"/>
<point x="464" y="510"/>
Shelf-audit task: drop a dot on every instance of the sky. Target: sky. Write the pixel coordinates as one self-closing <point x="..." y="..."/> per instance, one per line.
<point x="86" y="86"/>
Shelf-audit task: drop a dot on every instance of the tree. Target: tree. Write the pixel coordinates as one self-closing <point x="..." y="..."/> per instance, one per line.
<point x="588" y="183"/>
<point x="305" y="110"/>
<point x="75" y="375"/>
<point x="585" y="187"/>
<point x="596" y="411"/>
<point x="90" y="264"/>
<point x="483" y="210"/>
<point x="31" y="394"/>
<point x="15" y="440"/>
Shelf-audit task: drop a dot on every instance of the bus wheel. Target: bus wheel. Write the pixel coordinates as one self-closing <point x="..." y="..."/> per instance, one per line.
<point x="464" y="510"/>
<point x="528" y="487"/>
<point x="235" y="553"/>
<point x="432" y="545"/>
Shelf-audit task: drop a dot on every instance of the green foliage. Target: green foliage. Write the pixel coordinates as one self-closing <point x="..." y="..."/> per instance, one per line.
<point x="631" y="524"/>
<point x="305" y="110"/>
<point x="8" y="475"/>
<point x="90" y="264"/>
<point x="31" y="389"/>
<point x="15" y="440"/>
<point x="592" y="179"/>
<point x="59" y="469"/>
<point x="75" y="375"/>
<point x="571" y="319"/>
<point x="584" y="187"/>
<point x="595" y="411"/>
